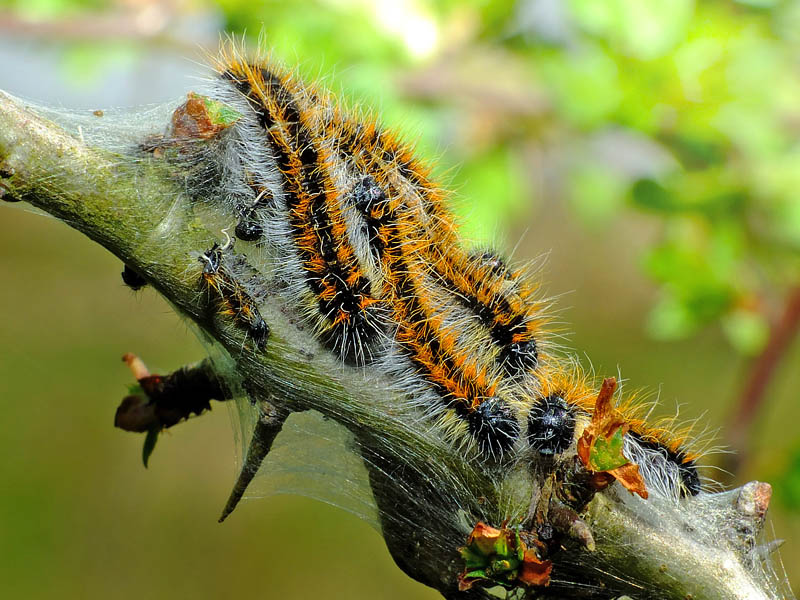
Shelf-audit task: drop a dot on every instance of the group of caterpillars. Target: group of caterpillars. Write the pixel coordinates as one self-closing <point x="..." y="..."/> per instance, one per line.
<point x="368" y="253"/>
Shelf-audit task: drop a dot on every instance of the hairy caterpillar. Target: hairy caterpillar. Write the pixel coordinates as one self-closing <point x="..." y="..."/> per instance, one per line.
<point x="362" y="238"/>
<point x="230" y="297"/>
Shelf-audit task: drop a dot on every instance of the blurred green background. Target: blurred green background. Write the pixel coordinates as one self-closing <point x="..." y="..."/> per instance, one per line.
<point x="651" y="149"/>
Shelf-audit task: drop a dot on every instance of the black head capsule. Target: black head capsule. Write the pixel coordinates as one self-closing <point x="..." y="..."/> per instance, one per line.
<point x="211" y="259"/>
<point x="249" y="228"/>
<point x="494" y="427"/>
<point x="551" y="425"/>
<point x="132" y="279"/>
<point x="260" y="331"/>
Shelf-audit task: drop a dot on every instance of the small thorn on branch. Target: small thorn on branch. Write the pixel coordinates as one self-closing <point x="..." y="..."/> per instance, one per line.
<point x="268" y="426"/>
<point x="764" y="550"/>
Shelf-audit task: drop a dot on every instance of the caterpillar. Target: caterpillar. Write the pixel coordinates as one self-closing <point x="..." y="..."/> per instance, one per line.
<point x="229" y="296"/>
<point x="567" y="401"/>
<point x="360" y="235"/>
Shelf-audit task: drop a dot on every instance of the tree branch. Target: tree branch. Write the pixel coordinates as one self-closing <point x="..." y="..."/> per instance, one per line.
<point x="429" y="499"/>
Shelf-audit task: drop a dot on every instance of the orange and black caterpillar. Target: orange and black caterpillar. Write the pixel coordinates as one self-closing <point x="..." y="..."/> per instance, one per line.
<point x="230" y="298"/>
<point x="350" y="312"/>
<point x="369" y="254"/>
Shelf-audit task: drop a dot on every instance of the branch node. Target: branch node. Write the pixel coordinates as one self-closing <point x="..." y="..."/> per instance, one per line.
<point x="168" y="399"/>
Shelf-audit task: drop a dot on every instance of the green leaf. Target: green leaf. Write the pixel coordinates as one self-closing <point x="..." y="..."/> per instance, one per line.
<point x="149" y="445"/>
<point x="651" y="195"/>
<point x="607" y="454"/>
<point x="135" y="389"/>
<point x="501" y="547"/>
<point x="473" y="559"/>
<point x="477" y="574"/>
<point x="219" y="113"/>
<point x="746" y="330"/>
<point x="669" y="319"/>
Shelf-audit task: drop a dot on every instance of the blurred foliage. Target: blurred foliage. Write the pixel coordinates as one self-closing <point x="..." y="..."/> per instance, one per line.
<point x="788" y="485"/>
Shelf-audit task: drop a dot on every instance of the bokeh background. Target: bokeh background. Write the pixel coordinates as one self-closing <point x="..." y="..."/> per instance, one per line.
<point x="650" y="149"/>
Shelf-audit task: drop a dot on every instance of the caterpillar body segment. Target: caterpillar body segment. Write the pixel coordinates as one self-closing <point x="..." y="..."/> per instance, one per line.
<point x="566" y="402"/>
<point x="667" y="467"/>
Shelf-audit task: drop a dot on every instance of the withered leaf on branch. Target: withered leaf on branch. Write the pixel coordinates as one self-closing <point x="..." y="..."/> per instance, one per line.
<point x="600" y="448"/>
<point x="201" y="117"/>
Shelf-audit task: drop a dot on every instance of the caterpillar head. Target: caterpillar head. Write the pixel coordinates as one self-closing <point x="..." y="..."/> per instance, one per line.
<point x="551" y="425"/>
